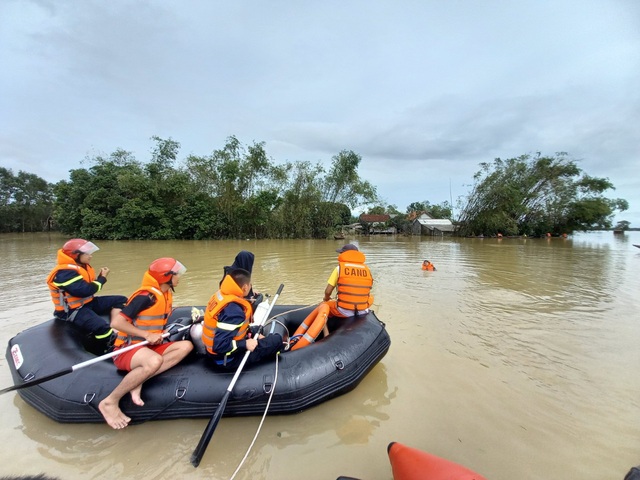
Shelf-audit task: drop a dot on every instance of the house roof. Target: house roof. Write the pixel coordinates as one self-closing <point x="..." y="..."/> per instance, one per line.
<point x="374" y="218"/>
<point x="415" y="214"/>
<point x="433" y="222"/>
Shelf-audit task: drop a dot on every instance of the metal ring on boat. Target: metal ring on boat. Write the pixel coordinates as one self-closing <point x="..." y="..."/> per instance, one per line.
<point x="267" y="384"/>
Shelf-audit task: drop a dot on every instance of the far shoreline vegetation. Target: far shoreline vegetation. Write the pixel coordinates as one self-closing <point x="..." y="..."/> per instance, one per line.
<point x="239" y="192"/>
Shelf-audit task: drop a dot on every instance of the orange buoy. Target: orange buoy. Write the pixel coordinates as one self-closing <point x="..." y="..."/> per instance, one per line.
<point x="412" y="464"/>
<point x="311" y="327"/>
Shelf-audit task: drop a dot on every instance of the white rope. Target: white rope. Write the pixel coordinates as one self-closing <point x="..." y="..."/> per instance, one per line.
<point x="261" y="422"/>
<point x="273" y="389"/>
<point x="294" y="310"/>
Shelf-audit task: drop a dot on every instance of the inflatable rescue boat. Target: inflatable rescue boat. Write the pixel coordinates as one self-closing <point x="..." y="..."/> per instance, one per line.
<point x="331" y="366"/>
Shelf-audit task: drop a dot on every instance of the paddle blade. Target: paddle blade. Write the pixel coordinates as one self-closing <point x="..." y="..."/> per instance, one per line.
<point x="37" y="381"/>
<point x="198" y="453"/>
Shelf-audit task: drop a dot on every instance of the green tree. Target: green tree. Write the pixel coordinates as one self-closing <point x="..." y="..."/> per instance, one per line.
<point x="26" y="202"/>
<point x="534" y="195"/>
<point x="120" y="198"/>
<point x="442" y="210"/>
<point x="341" y="189"/>
<point x="398" y="219"/>
<point x="622" y="225"/>
<point x="88" y="204"/>
<point x="343" y="184"/>
<point x="243" y="184"/>
<point x="235" y="192"/>
<point x="293" y="218"/>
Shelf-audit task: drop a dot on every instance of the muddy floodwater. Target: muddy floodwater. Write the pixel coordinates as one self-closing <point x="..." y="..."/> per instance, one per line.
<point x="518" y="358"/>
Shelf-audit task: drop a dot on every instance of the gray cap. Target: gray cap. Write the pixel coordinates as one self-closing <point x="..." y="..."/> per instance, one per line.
<point x="348" y="246"/>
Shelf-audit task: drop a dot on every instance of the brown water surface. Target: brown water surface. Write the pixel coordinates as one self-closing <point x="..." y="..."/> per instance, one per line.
<point x="517" y="358"/>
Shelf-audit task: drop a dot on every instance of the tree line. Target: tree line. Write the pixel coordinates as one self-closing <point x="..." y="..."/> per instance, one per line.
<point x="239" y="192"/>
<point x="535" y="195"/>
<point x="26" y="202"/>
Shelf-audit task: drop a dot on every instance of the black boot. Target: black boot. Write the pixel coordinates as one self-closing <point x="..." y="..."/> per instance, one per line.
<point x="99" y="345"/>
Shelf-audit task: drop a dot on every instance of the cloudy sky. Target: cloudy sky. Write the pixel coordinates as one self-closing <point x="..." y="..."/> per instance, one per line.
<point x="423" y="90"/>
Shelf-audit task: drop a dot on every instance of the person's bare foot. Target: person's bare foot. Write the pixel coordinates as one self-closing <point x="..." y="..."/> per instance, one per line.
<point x="135" y="396"/>
<point x="113" y="415"/>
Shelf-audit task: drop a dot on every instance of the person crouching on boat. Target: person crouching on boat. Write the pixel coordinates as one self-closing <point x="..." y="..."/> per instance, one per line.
<point x="144" y="317"/>
<point x="353" y="281"/>
<point x="73" y="284"/>
<point x="226" y="334"/>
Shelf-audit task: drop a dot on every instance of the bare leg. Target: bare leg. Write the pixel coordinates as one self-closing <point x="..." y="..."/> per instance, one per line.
<point x="174" y="354"/>
<point x="114" y="313"/>
<point x="170" y="357"/>
<point x="145" y="363"/>
<point x="136" y="397"/>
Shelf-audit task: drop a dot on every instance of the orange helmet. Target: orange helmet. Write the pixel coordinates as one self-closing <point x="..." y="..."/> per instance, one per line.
<point x="77" y="246"/>
<point x="163" y="269"/>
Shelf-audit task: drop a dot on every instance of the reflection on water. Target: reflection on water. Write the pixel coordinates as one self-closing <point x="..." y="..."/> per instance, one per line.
<point x="517" y="358"/>
<point x="91" y="449"/>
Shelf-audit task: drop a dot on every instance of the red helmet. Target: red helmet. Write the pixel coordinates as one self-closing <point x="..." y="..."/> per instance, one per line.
<point x="163" y="269"/>
<point x="76" y="246"/>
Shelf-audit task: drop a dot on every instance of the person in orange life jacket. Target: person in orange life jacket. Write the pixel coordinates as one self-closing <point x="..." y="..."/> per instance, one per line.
<point x="73" y="284"/>
<point x="226" y="335"/>
<point x="244" y="260"/>
<point x="144" y="317"/>
<point x="427" y="265"/>
<point x="353" y="281"/>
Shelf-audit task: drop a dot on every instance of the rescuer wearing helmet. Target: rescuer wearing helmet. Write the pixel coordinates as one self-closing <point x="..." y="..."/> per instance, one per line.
<point x="73" y="284"/>
<point x="144" y="317"/>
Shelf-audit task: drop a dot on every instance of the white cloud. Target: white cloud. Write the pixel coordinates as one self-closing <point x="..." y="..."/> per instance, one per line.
<point x="423" y="90"/>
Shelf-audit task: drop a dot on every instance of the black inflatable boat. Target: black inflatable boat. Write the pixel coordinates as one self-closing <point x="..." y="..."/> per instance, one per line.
<point x="330" y="367"/>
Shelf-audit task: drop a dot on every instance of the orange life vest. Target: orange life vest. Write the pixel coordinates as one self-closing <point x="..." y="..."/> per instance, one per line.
<point x="229" y="292"/>
<point x="428" y="266"/>
<point x="152" y="319"/>
<point x="354" y="281"/>
<point x="62" y="301"/>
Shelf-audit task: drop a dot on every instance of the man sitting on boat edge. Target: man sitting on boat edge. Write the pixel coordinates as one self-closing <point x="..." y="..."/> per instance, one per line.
<point x="353" y="281"/>
<point x="144" y="317"/>
<point x="73" y="284"/>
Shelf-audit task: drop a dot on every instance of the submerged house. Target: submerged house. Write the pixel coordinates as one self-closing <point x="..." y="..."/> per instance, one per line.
<point x="376" y="224"/>
<point x="424" y="224"/>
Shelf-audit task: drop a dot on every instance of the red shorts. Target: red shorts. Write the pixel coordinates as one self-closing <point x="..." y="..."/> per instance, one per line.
<point x="123" y="361"/>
